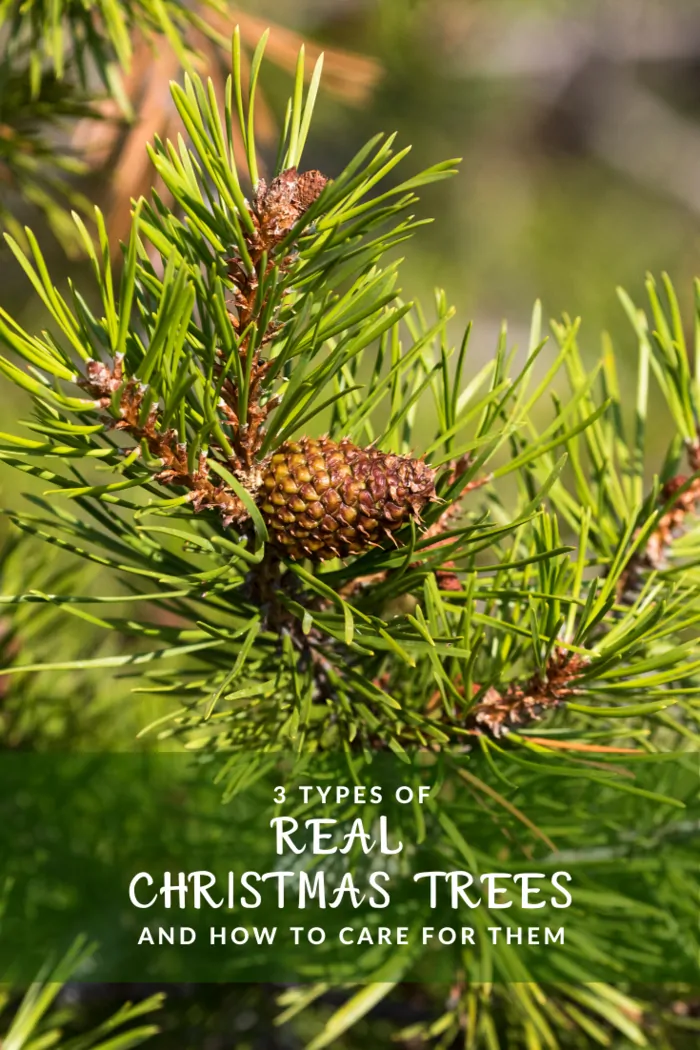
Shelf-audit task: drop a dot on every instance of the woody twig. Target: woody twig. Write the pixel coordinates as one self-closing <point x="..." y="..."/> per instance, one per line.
<point x="520" y="704"/>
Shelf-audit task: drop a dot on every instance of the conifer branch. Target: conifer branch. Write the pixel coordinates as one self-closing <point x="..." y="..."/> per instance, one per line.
<point x="329" y="585"/>
<point x="276" y="210"/>
<point x="496" y="712"/>
<point x="518" y="706"/>
<point x="678" y="499"/>
<point x="163" y="445"/>
<point x="237" y="326"/>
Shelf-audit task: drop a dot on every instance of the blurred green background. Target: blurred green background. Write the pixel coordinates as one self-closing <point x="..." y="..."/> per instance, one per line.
<point x="579" y="128"/>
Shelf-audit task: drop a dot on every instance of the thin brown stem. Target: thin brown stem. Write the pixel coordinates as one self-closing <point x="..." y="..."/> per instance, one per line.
<point x="163" y="445"/>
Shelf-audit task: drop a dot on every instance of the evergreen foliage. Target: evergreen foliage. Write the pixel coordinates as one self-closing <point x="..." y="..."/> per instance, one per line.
<point x="543" y="611"/>
<point x="39" y="1017"/>
<point x="40" y="712"/>
<point x="91" y="38"/>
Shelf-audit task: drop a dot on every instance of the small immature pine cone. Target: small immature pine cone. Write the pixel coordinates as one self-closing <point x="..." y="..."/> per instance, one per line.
<point x="279" y="206"/>
<point x="325" y="499"/>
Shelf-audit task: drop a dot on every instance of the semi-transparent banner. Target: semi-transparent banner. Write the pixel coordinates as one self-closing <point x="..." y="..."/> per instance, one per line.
<point x="351" y="867"/>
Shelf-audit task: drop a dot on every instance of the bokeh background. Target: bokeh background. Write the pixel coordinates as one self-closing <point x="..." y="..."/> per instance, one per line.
<point x="578" y="124"/>
<point x="578" y="127"/>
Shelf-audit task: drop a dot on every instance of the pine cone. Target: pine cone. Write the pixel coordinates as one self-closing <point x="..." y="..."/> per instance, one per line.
<point x="325" y="499"/>
<point x="279" y="206"/>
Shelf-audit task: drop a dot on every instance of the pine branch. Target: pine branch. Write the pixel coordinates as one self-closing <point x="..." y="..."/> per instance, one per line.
<point x="481" y="535"/>
<point x="38" y="1018"/>
<point x="518" y="705"/>
<point x="678" y="500"/>
<point x="236" y="328"/>
<point x="162" y="444"/>
<point x="276" y="211"/>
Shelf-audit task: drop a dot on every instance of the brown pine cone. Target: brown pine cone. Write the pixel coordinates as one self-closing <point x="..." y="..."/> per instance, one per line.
<point x="325" y="499"/>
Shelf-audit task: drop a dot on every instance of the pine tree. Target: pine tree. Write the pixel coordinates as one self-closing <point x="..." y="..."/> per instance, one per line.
<point x="332" y="533"/>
